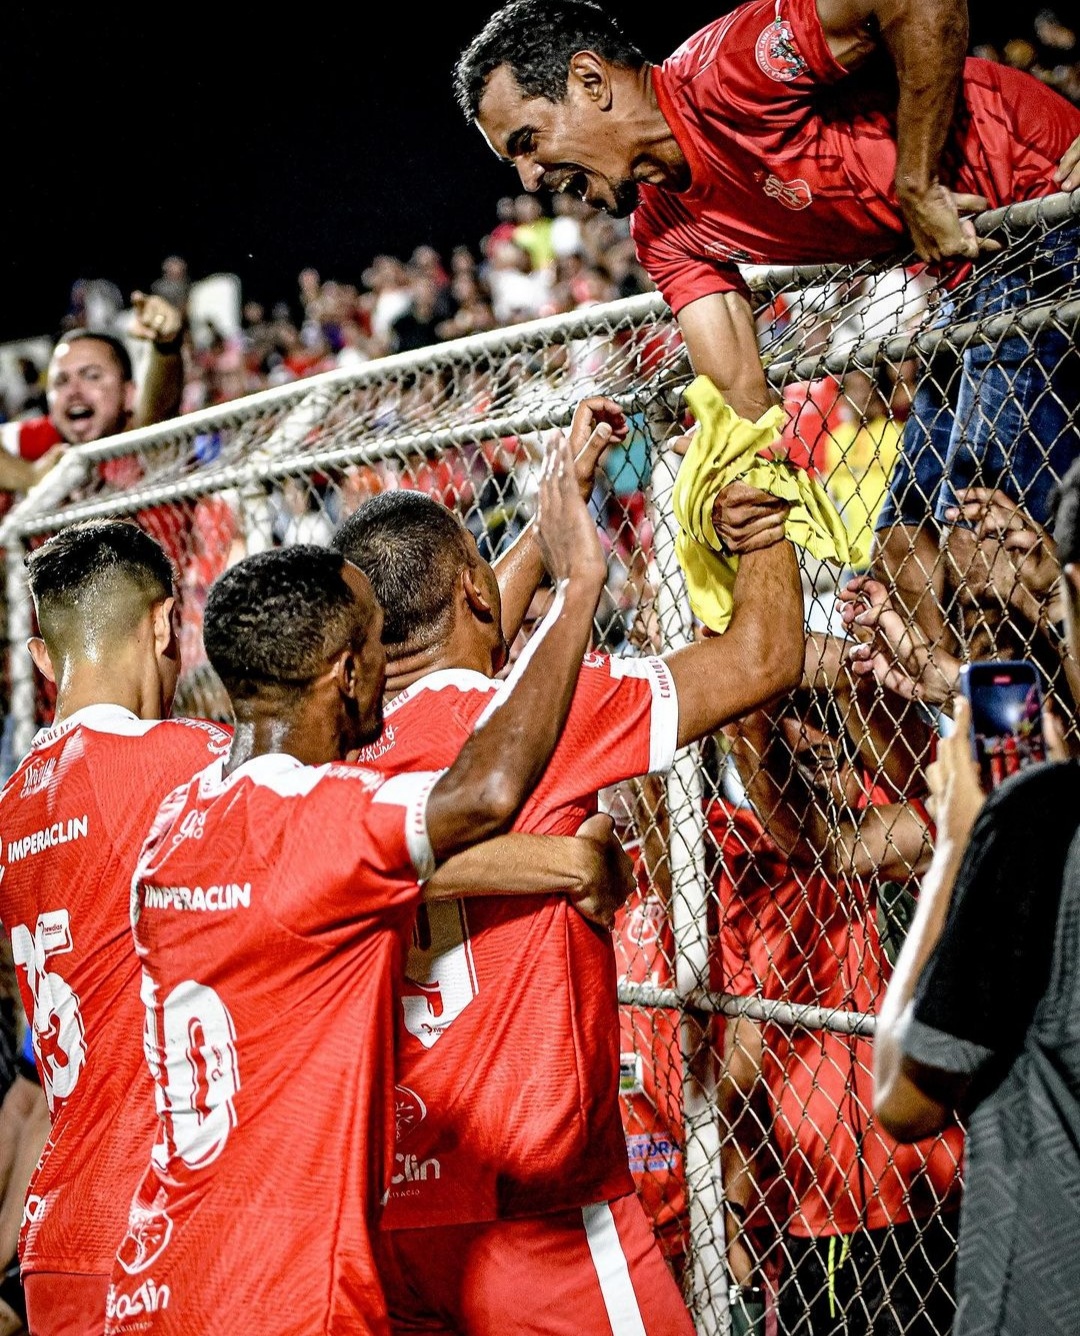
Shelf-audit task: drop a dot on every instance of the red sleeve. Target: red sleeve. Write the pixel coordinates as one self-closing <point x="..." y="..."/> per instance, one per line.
<point x="29" y="439"/>
<point x="665" y="251"/>
<point x="623" y="722"/>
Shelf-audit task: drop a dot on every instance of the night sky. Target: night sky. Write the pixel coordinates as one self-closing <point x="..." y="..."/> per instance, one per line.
<point x="245" y="143"/>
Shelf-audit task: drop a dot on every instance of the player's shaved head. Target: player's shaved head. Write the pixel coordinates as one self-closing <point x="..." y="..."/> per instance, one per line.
<point x="274" y="620"/>
<point x="413" y="550"/>
<point x="92" y="585"/>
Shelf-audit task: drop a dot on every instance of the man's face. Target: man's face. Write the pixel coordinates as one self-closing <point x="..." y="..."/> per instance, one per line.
<point x="366" y="723"/>
<point x="572" y="146"/>
<point x="88" y="395"/>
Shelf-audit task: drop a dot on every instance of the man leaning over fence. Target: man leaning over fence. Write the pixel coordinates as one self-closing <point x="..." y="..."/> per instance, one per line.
<point x="818" y="131"/>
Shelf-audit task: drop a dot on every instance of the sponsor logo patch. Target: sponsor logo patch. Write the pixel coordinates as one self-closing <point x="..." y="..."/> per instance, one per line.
<point x="652" y="1154"/>
<point x="791" y="194"/>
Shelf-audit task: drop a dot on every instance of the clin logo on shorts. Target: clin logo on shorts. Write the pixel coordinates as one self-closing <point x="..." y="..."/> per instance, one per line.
<point x="409" y="1111"/>
<point x="791" y="194"/>
<point x="776" y="52"/>
<point x="146" y="1239"/>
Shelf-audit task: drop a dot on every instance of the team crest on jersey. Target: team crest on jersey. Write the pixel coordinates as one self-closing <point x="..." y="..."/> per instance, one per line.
<point x="791" y="194"/>
<point x="645" y="921"/>
<point x="409" y="1111"/>
<point x="37" y="776"/>
<point x="147" y="1238"/>
<point x="776" y="52"/>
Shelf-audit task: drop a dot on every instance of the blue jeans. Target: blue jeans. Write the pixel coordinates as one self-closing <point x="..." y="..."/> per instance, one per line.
<point x="1009" y="415"/>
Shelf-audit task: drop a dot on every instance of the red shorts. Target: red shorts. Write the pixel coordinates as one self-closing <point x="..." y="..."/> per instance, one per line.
<point x="592" y="1269"/>
<point x="64" y="1304"/>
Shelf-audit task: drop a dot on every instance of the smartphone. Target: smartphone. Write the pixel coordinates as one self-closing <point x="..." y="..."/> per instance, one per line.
<point x="1005" y="696"/>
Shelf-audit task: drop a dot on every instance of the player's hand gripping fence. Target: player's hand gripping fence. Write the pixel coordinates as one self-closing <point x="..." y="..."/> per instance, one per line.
<point x="776" y="867"/>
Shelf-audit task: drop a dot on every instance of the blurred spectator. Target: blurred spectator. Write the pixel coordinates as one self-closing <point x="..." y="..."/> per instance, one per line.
<point x="174" y="284"/>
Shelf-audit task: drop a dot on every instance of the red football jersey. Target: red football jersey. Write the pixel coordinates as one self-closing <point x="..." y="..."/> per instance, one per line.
<point x="801" y="939"/>
<point x="72" y="819"/>
<point x="508" y="1027"/>
<point x="271" y="910"/>
<point x="793" y="159"/>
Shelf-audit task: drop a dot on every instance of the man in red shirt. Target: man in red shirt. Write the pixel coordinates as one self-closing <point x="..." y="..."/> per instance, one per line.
<point x="73" y="815"/>
<point x="284" y="876"/>
<point x="803" y="131"/>
<point x="513" y="1207"/>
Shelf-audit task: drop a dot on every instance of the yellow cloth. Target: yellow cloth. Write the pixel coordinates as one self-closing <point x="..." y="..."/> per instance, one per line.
<point x="725" y="449"/>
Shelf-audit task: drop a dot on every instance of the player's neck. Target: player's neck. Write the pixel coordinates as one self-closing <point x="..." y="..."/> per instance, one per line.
<point x="457" y="652"/>
<point x="310" y="732"/>
<point x="81" y="685"/>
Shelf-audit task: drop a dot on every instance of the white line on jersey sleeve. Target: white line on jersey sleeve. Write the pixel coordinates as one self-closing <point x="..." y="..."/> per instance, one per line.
<point x="664" y="723"/>
<point x="411" y="790"/>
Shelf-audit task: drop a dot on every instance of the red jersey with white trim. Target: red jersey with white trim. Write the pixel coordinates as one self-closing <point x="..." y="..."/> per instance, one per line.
<point x="793" y="159"/>
<point x="73" y="817"/>
<point x="29" y="438"/>
<point x="271" y="909"/>
<point x="508" y="1026"/>
<point x="801" y="939"/>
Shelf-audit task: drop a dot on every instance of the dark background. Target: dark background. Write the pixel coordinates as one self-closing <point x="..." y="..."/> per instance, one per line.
<point x="248" y="143"/>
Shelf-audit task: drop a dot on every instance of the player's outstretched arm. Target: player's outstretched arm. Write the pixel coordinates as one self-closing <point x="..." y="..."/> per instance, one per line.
<point x="598" y="421"/>
<point x="760" y="655"/>
<point x="501" y="763"/>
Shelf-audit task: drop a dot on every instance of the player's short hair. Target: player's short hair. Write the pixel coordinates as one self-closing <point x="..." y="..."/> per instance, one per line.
<point x="537" y="39"/>
<point x="274" y="619"/>
<point x="413" y="550"/>
<point x="1066" y="520"/>
<point x="96" y="575"/>
<point x="117" y="346"/>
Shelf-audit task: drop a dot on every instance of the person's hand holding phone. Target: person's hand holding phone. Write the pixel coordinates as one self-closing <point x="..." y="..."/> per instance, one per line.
<point x="956" y="793"/>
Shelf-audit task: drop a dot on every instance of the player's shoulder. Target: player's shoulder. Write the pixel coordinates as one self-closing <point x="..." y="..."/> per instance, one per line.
<point x="438" y="705"/>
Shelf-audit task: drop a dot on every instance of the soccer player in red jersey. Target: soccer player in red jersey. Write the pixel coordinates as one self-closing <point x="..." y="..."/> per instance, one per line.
<point x="271" y="909"/>
<point x="73" y="816"/>
<point x="513" y="1207"/>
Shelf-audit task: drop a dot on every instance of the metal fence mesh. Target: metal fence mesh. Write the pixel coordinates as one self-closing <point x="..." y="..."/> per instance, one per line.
<point x="779" y="860"/>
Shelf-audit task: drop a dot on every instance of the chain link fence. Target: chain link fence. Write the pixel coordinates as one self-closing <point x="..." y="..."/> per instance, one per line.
<point x="778" y="861"/>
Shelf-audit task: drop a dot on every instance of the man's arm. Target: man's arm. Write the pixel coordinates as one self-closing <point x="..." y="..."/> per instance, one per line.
<point x="760" y="655"/>
<point x="19" y="475"/>
<point x="721" y="339"/>
<point x="503" y="760"/>
<point x="927" y="41"/>
<point x="591" y="868"/>
<point x="911" y="1100"/>
<point x="162" y="382"/>
<point x="597" y="422"/>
